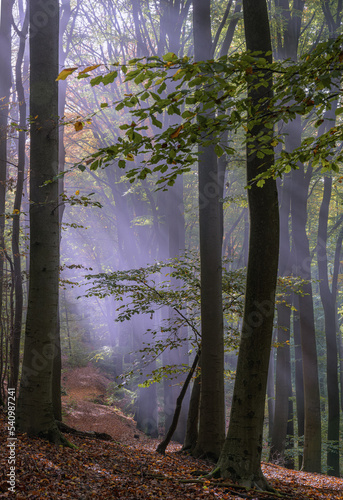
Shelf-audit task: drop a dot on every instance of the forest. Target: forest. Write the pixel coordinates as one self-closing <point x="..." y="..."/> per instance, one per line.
<point x="171" y="248"/>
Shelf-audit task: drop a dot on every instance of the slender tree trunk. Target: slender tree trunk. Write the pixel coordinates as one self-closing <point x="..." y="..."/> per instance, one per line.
<point x="328" y="298"/>
<point x="271" y="395"/>
<point x="18" y="285"/>
<point x="57" y="365"/>
<point x="299" y="379"/>
<point x="283" y="381"/>
<point x="240" y="458"/>
<point x="191" y="437"/>
<point x="212" y="409"/>
<point x="312" y="430"/>
<point x="35" y="408"/>
<point x="5" y="87"/>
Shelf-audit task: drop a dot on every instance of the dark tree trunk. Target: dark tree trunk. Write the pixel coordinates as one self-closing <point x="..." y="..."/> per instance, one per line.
<point x="283" y="381"/>
<point x="271" y="395"/>
<point x="212" y="409"/>
<point x="299" y="379"/>
<point x="35" y="409"/>
<point x="328" y="298"/>
<point x="18" y="285"/>
<point x="5" y="88"/>
<point x="241" y="455"/>
<point x="191" y="437"/>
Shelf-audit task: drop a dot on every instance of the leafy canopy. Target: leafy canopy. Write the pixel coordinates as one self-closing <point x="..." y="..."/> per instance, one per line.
<point x="209" y="98"/>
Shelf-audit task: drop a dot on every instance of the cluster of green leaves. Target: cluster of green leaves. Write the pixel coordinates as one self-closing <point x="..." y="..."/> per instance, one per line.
<point x="175" y="284"/>
<point x="209" y="98"/>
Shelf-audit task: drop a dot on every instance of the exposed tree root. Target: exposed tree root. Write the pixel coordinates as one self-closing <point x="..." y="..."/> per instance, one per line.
<point x="88" y="434"/>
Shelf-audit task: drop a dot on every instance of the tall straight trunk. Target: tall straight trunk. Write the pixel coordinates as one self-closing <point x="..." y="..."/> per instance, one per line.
<point x="240" y="458"/>
<point x="299" y="379"/>
<point x="57" y="365"/>
<point x="212" y="409"/>
<point x="5" y="88"/>
<point x="18" y="284"/>
<point x="288" y="23"/>
<point x="328" y="298"/>
<point x="283" y="380"/>
<point x="302" y="269"/>
<point x="35" y="409"/>
<point x="312" y="430"/>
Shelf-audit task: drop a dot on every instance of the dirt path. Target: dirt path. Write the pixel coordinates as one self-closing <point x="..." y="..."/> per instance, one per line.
<point x="86" y="385"/>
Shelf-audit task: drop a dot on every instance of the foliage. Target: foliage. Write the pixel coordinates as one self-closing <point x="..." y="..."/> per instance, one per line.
<point x="211" y="97"/>
<point x="174" y="283"/>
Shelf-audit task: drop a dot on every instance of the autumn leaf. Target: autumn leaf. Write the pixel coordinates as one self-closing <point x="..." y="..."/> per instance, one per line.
<point x="77" y="192"/>
<point x="78" y="126"/>
<point x="176" y="133"/>
<point x="89" y="68"/>
<point x="130" y="157"/>
<point x="65" y="73"/>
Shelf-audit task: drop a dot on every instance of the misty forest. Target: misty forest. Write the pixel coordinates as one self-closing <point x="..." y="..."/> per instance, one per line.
<point x="171" y="218"/>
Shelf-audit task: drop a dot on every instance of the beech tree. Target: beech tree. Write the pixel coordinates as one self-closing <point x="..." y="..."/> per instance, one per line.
<point x="5" y="88"/>
<point x="212" y="410"/>
<point x="35" y="408"/>
<point x="240" y="458"/>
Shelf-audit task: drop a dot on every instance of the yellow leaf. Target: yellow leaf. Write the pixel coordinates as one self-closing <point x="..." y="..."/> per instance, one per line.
<point x="16" y="211"/>
<point x="89" y="68"/>
<point x="77" y="192"/>
<point x="130" y="157"/>
<point x="78" y="126"/>
<point x="65" y="72"/>
<point x="176" y="133"/>
<point x="177" y="72"/>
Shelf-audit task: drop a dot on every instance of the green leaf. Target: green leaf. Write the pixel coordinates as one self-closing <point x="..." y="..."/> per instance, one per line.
<point x="169" y="57"/>
<point x="110" y="77"/>
<point x="218" y="150"/>
<point x="96" y="80"/>
<point x="156" y="122"/>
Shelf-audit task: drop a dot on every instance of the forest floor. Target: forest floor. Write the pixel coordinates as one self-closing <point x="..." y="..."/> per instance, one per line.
<point x="127" y="467"/>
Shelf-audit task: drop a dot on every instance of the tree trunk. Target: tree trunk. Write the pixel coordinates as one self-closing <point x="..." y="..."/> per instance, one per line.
<point x="312" y="430"/>
<point x="5" y="88"/>
<point x="271" y="395"/>
<point x="191" y="437"/>
<point x="212" y="408"/>
<point x="18" y="285"/>
<point x="299" y="379"/>
<point x="35" y="408"/>
<point x="283" y="381"/>
<point x="241" y="455"/>
<point x="328" y="298"/>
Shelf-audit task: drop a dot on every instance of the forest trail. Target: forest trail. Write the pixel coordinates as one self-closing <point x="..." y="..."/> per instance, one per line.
<point x="84" y="408"/>
<point x="128" y="468"/>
